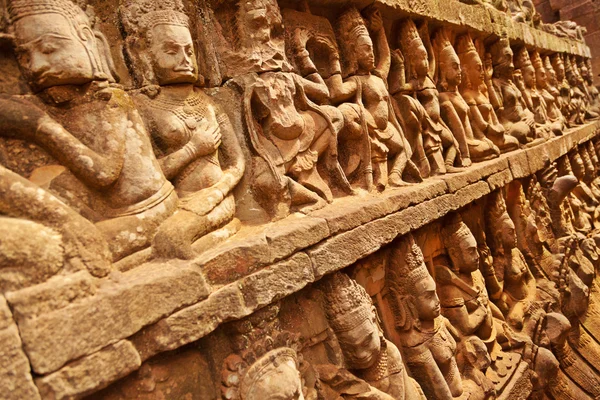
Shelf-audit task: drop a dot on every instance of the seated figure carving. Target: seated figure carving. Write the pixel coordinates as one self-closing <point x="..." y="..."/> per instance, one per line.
<point x="532" y="97"/>
<point x="193" y="138"/>
<point x="572" y="111"/>
<point x="426" y="337"/>
<point x="484" y="120"/>
<point x="545" y="79"/>
<point x="473" y="144"/>
<point x="513" y="287"/>
<point x="367" y="354"/>
<point x="107" y="171"/>
<point x="363" y="97"/>
<point x="417" y="98"/>
<point x="508" y="101"/>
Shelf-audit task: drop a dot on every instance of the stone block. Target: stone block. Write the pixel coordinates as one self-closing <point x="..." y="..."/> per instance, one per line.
<point x="348" y="212"/>
<point x="519" y="164"/>
<point x="56" y="293"/>
<point x="90" y="373"/>
<point x="277" y="281"/>
<point x="294" y="233"/>
<point x="16" y="382"/>
<point x="118" y="310"/>
<point x="236" y="258"/>
<point x="191" y="323"/>
<point x="499" y="179"/>
<point x="473" y="174"/>
<point x="346" y="248"/>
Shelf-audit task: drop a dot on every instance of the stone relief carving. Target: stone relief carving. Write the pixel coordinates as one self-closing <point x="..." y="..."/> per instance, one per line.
<point x="426" y="336"/>
<point x="476" y="76"/>
<point x="192" y="137"/>
<point x="119" y="188"/>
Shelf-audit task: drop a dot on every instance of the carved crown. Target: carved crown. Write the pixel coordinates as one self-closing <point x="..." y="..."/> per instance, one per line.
<point x="407" y="266"/>
<point x="409" y="36"/>
<point x="454" y="231"/>
<point x="522" y="59"/>
<point x="18" y="9"/>
<point x="259" y="343"/>
<point x="142" y="15"/>
<point x="347" y="304"/>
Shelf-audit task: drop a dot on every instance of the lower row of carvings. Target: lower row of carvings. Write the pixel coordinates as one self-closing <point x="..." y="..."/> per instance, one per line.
<point x="497" y="300"/>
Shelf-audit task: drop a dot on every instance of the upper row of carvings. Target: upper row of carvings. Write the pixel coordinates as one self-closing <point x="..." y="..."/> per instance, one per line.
<point x="315" y="102"/>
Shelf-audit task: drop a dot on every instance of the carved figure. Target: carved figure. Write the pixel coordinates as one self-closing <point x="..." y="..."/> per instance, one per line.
<point x="578" y="96"/>
<point x="454" y="108"/>
<point x="571" y="110"/>
<point x="533" y="99"/>
<point x="545" y="79"/>
<point x="291" y="132"/>
<point x="484" y="120"/>
<point x="365" y="101"/>
<point x="425" y="335"/>
<point x="367" y="354"/>
<point x="266" y="364"/>
<point x="417" y="98"/>
<point x="193" y="138"/>
<point x="513" y="288"/>
<point x="43" y="237"/>
<point x="110" y="173"/>
<point x="473" y="361"/>
<point x="518" y="120"/>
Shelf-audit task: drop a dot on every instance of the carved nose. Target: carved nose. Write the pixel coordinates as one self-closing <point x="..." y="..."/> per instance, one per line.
<point x="38" y="66"/>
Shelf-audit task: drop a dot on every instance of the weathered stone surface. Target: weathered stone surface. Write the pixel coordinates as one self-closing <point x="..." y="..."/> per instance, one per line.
<point x="191" y="323"/>
<point x="294" y="233"/>
<point x="118" y="310"/>
<point x="478" y="172"/>
<point x="499" y="179"/>
<point x="237" y="257"/>
<point x="90" y="373"/>
<point x="56" y="293"/>
<point x="276" y="281"/>
<point x="6" y="318"/>
<point x="15" y="373"/>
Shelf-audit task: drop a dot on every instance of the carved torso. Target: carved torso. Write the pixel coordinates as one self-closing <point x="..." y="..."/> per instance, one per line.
<point x="106" y="121"/>
<point x="172" y="123"/>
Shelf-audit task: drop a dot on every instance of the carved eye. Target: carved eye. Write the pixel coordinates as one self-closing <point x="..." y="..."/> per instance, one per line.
<point x="48" y="48"/>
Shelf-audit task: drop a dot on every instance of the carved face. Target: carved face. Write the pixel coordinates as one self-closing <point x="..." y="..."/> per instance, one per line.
<point x="51" y="54"/>
<point x="361" y="345"/>
<point x="504" y="61"/>
<point x="281" y="382"/>
<point x="420" y="61"/>
<point x="465" y="256"/>
<point x="450" y="65"/>
<point x="172" y="51"/>
<point x="528" y="75"/>
<point x="255" y="22"/>
<point x="508" y="231"/>
<point x="559" y="68"/>
<point x="364" y="53"/>
<point x="541" y="76"/>
<point x="474" y="69"/>
<point x="427" y="302"/>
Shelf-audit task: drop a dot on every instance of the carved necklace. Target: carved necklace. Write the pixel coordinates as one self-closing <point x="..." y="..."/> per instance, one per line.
<point x="190" y="111"/>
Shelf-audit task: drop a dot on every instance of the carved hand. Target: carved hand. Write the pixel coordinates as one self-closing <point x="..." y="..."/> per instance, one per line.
<point x="375" y="21"/>
<point x="207" y="138"/>
<point x="19" y="118"/>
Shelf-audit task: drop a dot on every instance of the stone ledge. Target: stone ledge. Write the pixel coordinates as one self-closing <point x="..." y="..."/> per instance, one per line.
<point x="358" y="227"/>
<point x="484" y="21"/>
<point x="91" y="373"/>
